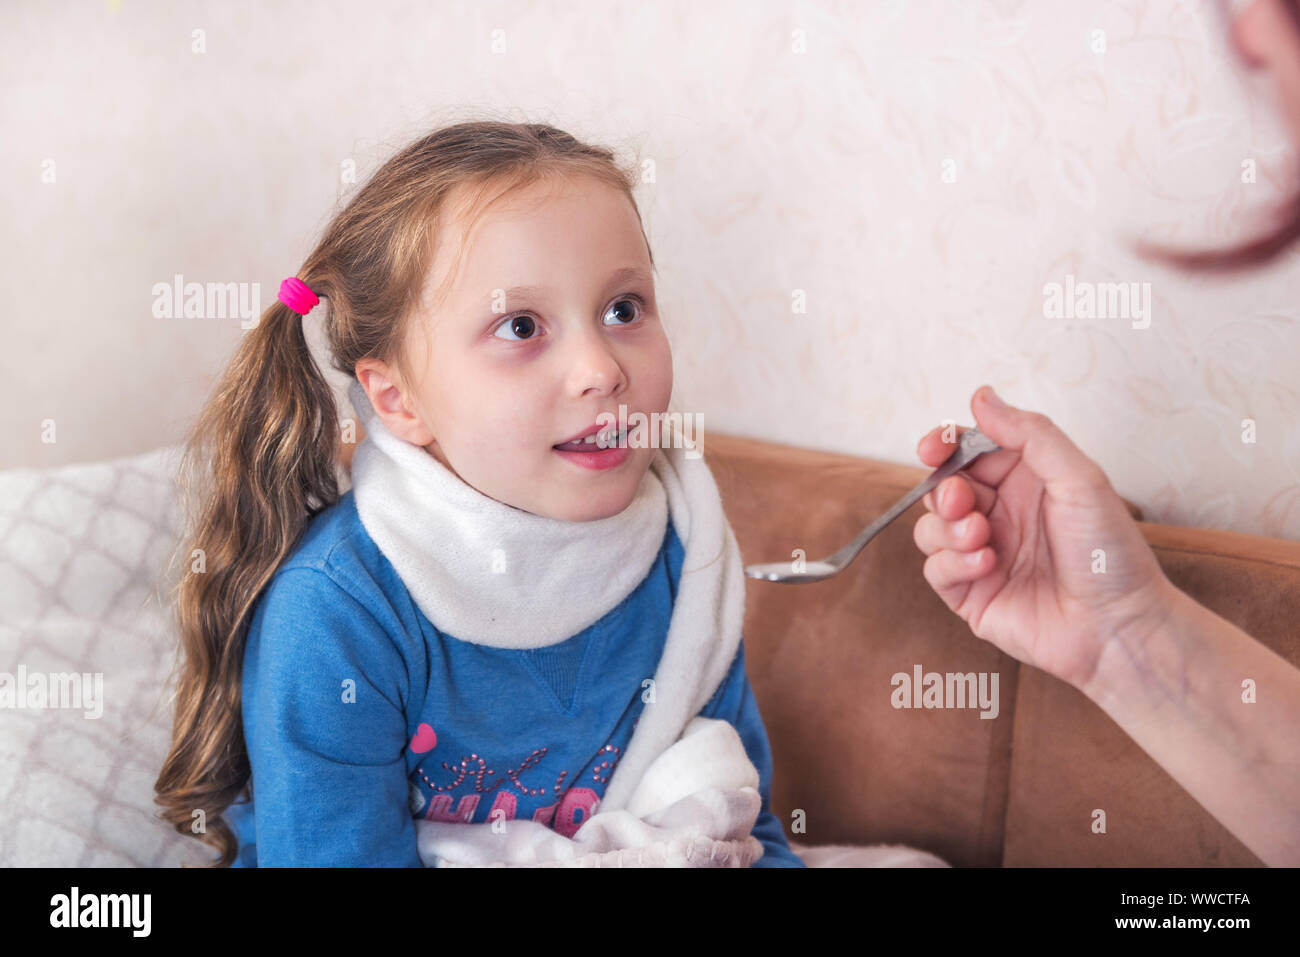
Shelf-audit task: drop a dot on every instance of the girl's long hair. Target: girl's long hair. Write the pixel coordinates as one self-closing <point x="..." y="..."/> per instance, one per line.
<point x="262" y="457"/>
<point x="1260" y="250"/>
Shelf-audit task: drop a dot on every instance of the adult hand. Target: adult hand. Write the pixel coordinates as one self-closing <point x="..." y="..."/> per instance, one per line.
<point x="1035" y="515"/>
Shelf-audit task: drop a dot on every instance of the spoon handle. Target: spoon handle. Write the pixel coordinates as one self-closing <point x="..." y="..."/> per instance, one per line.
<point x="972" y="444"/>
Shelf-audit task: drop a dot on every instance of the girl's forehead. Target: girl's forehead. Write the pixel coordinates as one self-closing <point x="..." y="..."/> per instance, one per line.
<point x="508" y="243"/>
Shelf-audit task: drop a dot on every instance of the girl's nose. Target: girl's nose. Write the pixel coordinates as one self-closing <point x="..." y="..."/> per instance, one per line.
<point x="595" y="367"/>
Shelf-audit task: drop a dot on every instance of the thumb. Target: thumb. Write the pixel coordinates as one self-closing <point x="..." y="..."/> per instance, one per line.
<point x="1042" y="446"/>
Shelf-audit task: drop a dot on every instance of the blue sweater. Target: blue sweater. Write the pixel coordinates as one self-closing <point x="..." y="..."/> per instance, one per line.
<point x="360" y="716"/>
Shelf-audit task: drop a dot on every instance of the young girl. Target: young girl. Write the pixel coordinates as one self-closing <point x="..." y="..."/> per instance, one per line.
<point x="493" y="630"/>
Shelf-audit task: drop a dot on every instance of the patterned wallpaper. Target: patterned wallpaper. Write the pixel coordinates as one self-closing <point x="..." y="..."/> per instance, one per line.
<point x="860" y="211"/>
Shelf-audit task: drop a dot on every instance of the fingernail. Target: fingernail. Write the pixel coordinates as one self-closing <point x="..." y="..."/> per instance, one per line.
<point x="960" y="527"/>
<point x="973" y="558"/>
<point x="992" y="398"/>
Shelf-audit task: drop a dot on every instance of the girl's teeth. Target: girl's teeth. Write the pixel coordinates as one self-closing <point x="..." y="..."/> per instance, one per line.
<point x="595" y="437"/>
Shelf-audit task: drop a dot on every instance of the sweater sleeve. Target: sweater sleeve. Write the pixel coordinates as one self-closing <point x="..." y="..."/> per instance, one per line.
<point x="325" y="727"/>
<point x="735" y="703"/>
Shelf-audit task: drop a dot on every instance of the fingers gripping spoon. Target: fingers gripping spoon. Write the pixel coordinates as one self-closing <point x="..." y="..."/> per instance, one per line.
<point x="972" y="444"/>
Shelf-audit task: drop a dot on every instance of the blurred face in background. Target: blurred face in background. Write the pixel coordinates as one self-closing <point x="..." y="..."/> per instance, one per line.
<point x="1267" y="36"/>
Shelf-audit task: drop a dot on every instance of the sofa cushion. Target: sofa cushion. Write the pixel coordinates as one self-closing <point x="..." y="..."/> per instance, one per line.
<point x="81" y="548"/>
<point x="1071" y="758"/>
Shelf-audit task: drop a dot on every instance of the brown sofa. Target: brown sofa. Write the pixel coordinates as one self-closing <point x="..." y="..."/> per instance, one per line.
<point x="1016" y="790"/>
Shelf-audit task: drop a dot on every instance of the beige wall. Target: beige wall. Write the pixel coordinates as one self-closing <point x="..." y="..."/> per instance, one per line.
<point x="919" y="172"/>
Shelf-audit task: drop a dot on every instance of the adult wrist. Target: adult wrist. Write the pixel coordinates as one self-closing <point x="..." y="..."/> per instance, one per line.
<point x="1144" y="649"/>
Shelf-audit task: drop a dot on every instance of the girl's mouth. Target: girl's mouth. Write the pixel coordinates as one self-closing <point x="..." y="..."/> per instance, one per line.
<point x="590" y="455"/>
<point x="593" y="443"/>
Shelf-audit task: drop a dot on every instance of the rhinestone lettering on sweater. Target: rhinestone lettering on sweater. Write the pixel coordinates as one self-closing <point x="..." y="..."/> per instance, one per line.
<point x="572" y="807"/>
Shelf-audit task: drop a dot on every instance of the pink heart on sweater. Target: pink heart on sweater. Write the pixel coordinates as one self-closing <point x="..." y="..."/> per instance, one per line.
<point x="424" y="739"/>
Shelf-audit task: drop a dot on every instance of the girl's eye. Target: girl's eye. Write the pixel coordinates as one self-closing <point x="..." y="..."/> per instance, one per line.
<point x="626" y="299"/>
<point x="524" y="327"/>
<point x="521" y="325"/>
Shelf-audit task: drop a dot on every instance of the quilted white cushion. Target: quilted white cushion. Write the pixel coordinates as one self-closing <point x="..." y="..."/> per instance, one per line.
<point x="81" y="551"/>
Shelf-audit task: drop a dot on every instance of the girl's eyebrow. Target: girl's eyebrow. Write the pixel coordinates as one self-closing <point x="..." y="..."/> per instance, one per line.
<point x="616" y="277"/>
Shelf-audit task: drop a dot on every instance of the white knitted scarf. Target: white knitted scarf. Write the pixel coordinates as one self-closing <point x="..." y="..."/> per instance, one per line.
<point x="492" y="574"/>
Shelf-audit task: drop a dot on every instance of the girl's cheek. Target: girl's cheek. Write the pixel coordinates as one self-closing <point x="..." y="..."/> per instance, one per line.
<point x="660" y="365"/>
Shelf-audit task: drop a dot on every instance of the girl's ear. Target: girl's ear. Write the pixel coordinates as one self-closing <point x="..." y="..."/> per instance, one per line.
<point x="390" y="402"/>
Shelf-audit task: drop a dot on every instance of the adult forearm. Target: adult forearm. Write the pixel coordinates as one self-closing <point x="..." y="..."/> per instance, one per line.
<point x="1178" y="689"/>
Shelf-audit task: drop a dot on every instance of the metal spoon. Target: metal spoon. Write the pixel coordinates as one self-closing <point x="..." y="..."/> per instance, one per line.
<point x="972" y="444"/>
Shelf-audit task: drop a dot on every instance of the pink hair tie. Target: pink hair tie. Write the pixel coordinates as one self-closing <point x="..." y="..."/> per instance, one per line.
<point x="295" y="294"/>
